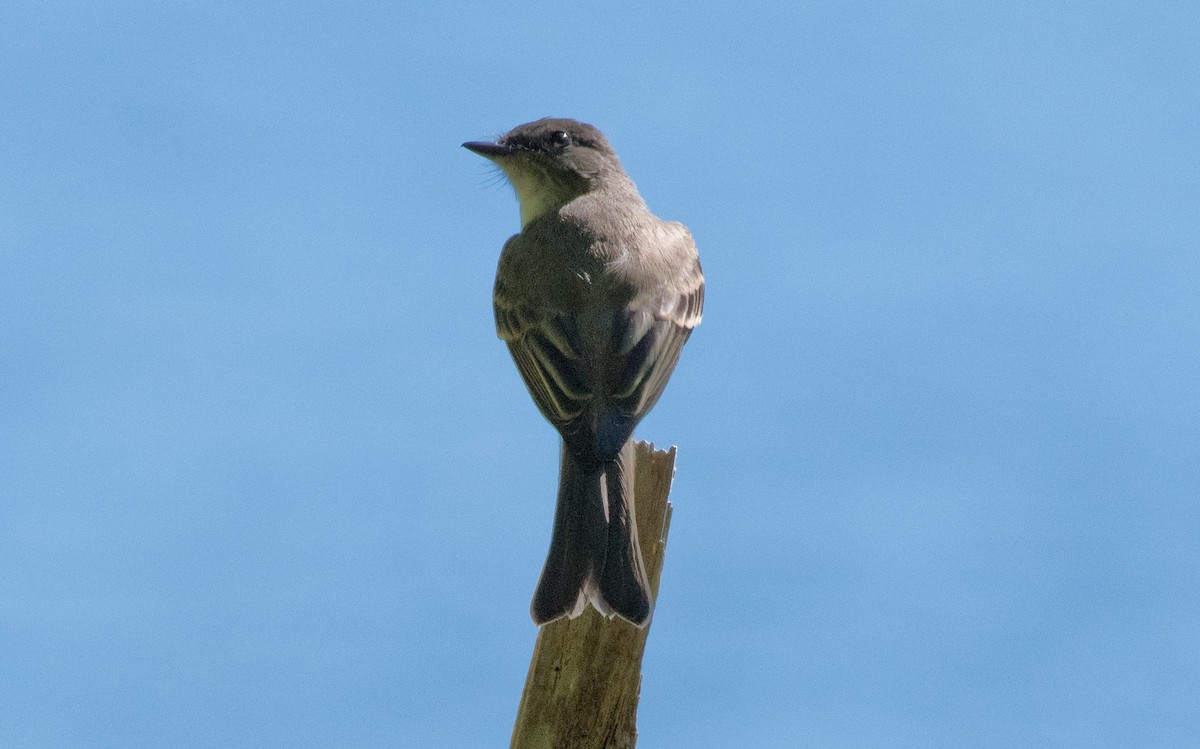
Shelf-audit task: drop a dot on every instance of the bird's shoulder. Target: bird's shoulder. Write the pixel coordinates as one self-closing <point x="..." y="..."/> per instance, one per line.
<point x="662" y="263"/>
<point x="545" y="271"/>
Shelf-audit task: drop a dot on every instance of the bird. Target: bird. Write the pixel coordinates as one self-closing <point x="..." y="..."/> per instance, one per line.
<point x="595" y="298"/>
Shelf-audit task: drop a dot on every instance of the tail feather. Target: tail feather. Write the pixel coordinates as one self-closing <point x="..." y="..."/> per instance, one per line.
<point x="578" y="540"/>
<point x="594" y="555"/>
<point x="623" y="583"/>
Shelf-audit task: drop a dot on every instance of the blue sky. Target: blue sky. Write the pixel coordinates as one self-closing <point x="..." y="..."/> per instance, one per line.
<point x="267" y="478"/>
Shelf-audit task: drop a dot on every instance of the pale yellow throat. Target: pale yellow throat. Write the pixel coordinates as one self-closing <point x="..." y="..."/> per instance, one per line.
<point x="532" y="194"/>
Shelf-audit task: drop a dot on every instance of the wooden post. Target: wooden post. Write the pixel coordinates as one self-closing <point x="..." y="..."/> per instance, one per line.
<point x="585" y="676"/>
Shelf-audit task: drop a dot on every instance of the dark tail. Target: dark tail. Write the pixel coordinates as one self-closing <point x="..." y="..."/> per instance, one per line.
<point x="594" y="554"/>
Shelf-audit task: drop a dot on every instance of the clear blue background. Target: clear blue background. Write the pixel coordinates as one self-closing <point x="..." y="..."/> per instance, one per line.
<point x="268" y="479"/>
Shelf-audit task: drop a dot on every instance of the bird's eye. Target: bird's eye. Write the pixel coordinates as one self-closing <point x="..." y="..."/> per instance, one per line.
<point x="560" y="139"/>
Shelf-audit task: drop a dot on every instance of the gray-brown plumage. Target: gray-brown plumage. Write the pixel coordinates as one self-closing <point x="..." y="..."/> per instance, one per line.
<point x="595" y="299"/>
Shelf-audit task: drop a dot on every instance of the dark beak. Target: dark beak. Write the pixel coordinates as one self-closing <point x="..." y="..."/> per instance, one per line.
<point x="489" y="150"/>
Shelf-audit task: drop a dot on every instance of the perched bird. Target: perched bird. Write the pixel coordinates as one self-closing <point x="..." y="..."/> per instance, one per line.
<point x="595" y="298"/>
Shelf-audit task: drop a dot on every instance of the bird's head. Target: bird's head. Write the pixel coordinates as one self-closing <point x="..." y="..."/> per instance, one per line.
<point x="551" y="162"/>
